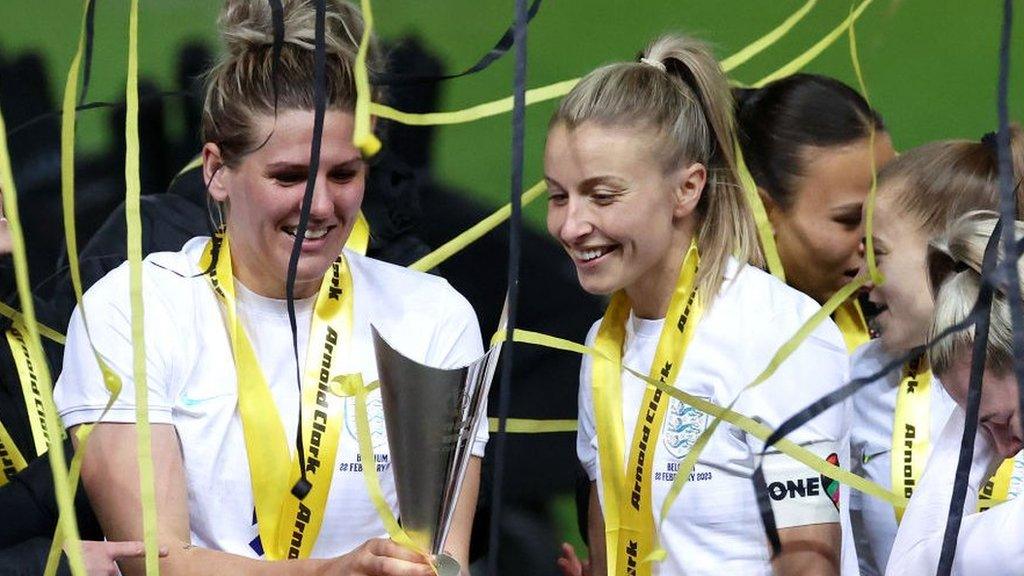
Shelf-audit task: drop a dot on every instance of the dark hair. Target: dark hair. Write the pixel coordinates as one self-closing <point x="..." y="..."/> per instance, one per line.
<point x="776" y="122"/>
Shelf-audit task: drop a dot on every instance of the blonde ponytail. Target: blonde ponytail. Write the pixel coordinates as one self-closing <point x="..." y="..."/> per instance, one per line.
<point x="688" y="101"/>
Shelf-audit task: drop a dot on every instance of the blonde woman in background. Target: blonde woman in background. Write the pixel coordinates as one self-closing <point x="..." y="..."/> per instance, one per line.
<point x="919" y="194"/>
<point x="989" y="542"/>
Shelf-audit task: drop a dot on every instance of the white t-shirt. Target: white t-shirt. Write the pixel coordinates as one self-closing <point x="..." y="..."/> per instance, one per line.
<point x="714" y="527"/>
<point x="192" y="382"/>
<point x="874" y="521"/>
<point x="989" y="542"/>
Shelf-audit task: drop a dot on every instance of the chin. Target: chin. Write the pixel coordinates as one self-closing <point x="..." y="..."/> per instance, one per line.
<point x="597" y="286"/>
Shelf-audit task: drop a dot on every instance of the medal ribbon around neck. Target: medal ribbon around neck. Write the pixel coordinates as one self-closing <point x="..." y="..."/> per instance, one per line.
<point x="28" y="377"/>
<point x="911" y="442"/>
<point x="628" y="511"/>
<point x="288" y="526"/>
<point x="852" y="325"/>
<point x="12" y="460"/>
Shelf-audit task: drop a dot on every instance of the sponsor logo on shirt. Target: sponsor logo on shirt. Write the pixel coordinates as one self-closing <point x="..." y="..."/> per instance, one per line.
<point x="831" y="485"/>
<point x="807" y="487"/>
<point x="683" y="425"/>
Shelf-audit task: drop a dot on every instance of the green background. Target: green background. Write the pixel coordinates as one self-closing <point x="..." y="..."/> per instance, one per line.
<point x="930" y="65"/>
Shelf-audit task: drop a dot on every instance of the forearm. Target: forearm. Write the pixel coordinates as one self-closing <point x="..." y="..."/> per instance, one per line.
<point x="595" y="533"/>
<point x="183" y="559"/>
<point x="812" y="550"/>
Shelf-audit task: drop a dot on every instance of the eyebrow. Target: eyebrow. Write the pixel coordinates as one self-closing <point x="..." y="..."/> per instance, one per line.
<point x="603" y="179"/>
<point x="849" y="206"/>
<point x="288" y="165"/>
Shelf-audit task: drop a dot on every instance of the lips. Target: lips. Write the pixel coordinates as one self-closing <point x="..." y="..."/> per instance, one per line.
<point x="312" y="233"/>
<point x="589" y="254"/>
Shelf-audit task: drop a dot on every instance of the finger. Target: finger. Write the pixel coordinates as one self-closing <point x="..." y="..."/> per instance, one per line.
<point x="385" y="566"/>
<point x="567" y="568"/>
<point x="127" y="549"/>
<point x="392" y="549"/>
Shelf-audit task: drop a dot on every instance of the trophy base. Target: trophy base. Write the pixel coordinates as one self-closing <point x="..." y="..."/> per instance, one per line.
<point x="445" y="565"/>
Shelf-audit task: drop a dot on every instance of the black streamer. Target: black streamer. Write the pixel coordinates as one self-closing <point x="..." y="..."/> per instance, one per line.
<point x="303" y="486"/>
<point x="507" y="40"/>
<point x="1011" y="289"/>
<point x="90" y="35"/>
<point x="514" y="256"/>
<point x="979" y="311"/>
<point x="277" y="16"/>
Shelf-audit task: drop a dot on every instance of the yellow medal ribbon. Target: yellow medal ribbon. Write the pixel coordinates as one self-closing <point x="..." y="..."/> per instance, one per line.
<point x="288" y="526"/>
<point x="911" y="429"/>
<point x="11" y="460"/>
<point x="852" y="324"/>
<point x="628" y="512"/>
<point x="911" y="441"/>
<point x="29" y="380"/>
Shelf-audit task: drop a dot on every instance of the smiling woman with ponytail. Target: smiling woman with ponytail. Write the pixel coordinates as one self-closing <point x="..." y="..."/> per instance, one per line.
<point x="223" y="396"/>
<point x="644" y="198"/>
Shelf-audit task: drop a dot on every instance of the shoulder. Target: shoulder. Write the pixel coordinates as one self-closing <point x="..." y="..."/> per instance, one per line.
<point x="397" y="288"/>
<point x="869" y="359"/>
<point x="762" y="308"/>
<point x="166" y="276"/>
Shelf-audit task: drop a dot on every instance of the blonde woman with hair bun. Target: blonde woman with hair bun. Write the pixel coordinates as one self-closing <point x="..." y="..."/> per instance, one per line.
<point x="221" y="371"/>
<point x="644" y="198"/>
<point x="989" y="542"/>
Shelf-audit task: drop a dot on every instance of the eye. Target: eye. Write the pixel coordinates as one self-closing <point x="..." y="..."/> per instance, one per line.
<point x="289" y="178"/>
<point x="849" y="220"/>
<point x="603" y="197"/>
<point x="343" y="176"/>
<point x="557" y="198"/>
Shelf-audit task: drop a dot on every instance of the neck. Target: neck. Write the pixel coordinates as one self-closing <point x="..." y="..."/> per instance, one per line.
<point x="270" y="287"/>
<point x="652" y="293"/>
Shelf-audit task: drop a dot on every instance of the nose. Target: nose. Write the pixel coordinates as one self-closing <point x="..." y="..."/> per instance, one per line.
<point x="322" y="206"/>
<point x="577" y="223"/>
<point x="1007" y="444"/>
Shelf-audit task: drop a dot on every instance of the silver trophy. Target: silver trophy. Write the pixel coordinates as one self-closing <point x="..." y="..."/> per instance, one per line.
<point x="431" y="415"/>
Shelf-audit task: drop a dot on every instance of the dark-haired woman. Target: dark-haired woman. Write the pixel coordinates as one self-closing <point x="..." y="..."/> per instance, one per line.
<point x="807" y="141"/>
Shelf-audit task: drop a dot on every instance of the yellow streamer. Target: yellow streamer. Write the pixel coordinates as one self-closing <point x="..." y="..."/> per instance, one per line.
<point x="11" y="460"/>
<point x="533" y="426"/>
<point x="749" y="425"/>
<point x="559" y="89"/>
<point x="764" y="227"/>
<point x="766" y="41"/>
<point x="44" y="330"/>
<point x="134" y="224"/>
<point x="455" y="245"/>
<point x="869" y="224"/>
<point x="352" y="385"/>
<point x="780" y="356"/>
<point x="796" y="64"/>
<point x="363" y="136"/>
<point x="58" y="462"/>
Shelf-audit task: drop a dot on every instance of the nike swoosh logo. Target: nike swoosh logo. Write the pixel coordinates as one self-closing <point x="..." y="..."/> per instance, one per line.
<point x="193" y="402"/>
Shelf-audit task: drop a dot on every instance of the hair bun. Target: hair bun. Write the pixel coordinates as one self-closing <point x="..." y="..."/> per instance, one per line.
<point x="249" y="24"/>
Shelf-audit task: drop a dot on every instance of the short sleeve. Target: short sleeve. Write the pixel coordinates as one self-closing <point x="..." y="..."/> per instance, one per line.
<point x="800" y="496"/>
<point x="457" y="343"/>
<point x="80" y="393"/>
<point x="586" y="445"/>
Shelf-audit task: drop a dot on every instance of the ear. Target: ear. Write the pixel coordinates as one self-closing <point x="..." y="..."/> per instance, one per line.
<point x="771" y="207"/>
<point x="213" y="172"/>
<point x="689" y="187"/>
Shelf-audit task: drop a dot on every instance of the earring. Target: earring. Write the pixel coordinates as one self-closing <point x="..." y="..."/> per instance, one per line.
<point x="215" y="211"/>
